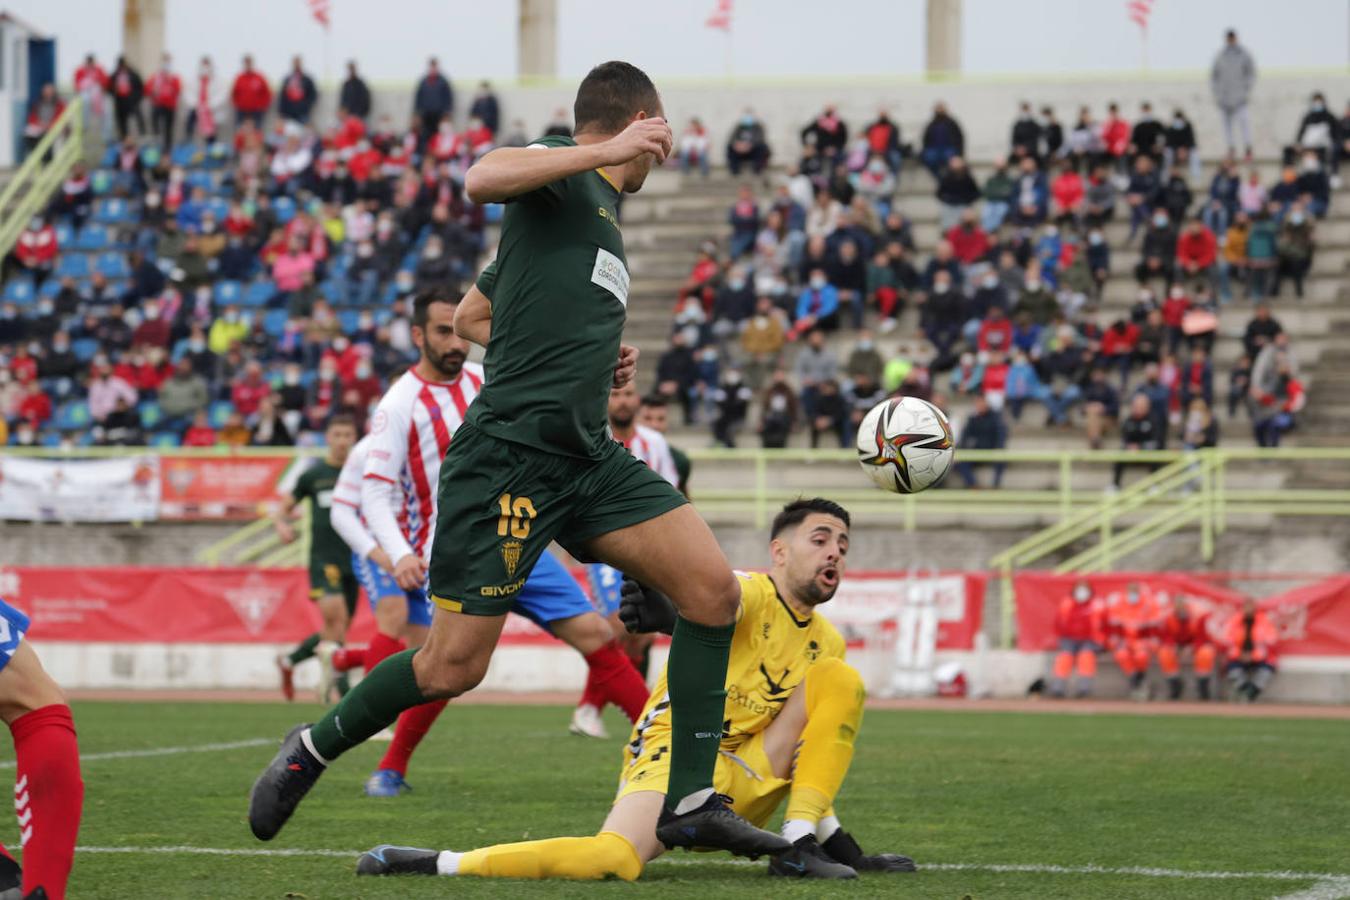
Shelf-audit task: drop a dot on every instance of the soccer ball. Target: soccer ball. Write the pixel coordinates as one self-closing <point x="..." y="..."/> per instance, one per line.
<point x="905" y="445"/>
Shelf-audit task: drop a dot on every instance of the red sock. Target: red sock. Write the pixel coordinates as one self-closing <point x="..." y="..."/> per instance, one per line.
<point x="614" y="679"/>
<point x="380" y="646"/>
<point x="347" y="658"/>
<point x="48" y="794"/>
<point x="412" y="726"/>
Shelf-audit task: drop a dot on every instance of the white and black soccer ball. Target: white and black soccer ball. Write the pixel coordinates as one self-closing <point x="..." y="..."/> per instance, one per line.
<point x="905" y="445"/>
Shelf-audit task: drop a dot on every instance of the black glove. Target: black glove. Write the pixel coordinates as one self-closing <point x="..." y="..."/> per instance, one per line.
<point x="644" y="610"/>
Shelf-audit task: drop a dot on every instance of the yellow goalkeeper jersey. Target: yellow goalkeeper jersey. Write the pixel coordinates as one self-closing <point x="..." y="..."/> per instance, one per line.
<point x="771" y="651"/>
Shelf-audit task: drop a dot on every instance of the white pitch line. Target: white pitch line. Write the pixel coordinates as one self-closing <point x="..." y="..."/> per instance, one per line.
<point x="1028" y="868"/>
<point x="1329" y="889"/>
<point x="164" y="751"/>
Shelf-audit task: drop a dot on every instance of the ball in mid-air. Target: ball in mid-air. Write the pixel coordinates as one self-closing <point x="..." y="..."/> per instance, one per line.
<point x="905" y="445"/>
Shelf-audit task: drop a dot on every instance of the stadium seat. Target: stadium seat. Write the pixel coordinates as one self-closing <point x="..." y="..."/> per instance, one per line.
<point x="151" y="154"/>
<point x="20" y="291"/>
<point x="284" y="207"/>
<point x="93" y="237"/>
<point x="84" y="348"/>
<point x="112" y="211"/>
<point x="165" y="439"/>
<point x="228" y="292"/>
<point x="348" y="320"/>
<point x="258" y="293"/>
<point x="151" y="414"/>
<point x="492" y="213"/>
<point x="219" y="412"/>
<point x="50" y="288"/>
<point x="332" y="291"/>
<point x="218" y="208"/>
<point x="73" y="265"/>
<point x="51" y="440"/>
<point x="184" y="155"/>
<point x="65" y="234"/>
<point x="200" y="178"/>
<point x="274" y="322"/>
<point x="72" y="416"/>
<point x="110" y="156"/>
<point x="113" y="264"/>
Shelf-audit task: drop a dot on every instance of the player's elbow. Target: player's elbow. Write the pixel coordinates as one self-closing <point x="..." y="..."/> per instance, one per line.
<point x="483" y="183"/>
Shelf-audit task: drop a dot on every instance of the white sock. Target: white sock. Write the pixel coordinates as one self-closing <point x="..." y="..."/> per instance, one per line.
<point x="796" y="829"/>
<point x="324" y="649"/>
<point x="693" y="801"/>
<point x="309" y="745"/>
<point x="826" y="828"/>
<point x="447" y="862"/>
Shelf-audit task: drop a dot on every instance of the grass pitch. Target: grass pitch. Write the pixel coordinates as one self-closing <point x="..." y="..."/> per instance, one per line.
<point x="1078" y="801"/>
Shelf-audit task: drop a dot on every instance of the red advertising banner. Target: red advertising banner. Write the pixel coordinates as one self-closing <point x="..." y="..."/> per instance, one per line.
<point x="224" y="487"/>
<point x="247" y="605"/>
<point x="1313" y="619"/>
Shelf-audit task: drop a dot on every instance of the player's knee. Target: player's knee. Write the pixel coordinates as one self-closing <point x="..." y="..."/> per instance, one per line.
<point x="833" y="681"/>
<point x="443" y="676"/>
<point x="587" y="633"/>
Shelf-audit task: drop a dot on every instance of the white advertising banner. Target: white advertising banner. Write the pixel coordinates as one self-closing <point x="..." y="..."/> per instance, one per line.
<point x="125" y="489"/>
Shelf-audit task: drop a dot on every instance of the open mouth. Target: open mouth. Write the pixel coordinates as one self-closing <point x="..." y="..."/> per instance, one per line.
<point x="830" y="575"/>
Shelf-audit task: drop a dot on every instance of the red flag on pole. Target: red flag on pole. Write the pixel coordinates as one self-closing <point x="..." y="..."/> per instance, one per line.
<point x="319" y="9"/>
<point x="721" y="16"/>
<point x="1138" y="11"/>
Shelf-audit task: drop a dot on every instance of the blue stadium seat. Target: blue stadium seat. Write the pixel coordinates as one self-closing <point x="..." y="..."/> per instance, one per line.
<point x="73" y="265"/>
<point x="65" y="234"/>
<point x="166" y="439"/>
<point x="332" y="291"/>
<point x="72" y="416"/>
<point x="228" y="292"/>
<point x="348" y="319"/>
<point x="274" y="322"/>
<point x="258" y="293"/>
<point x="50" y="288"/>
<point x="218" y="208"/>
<point x="151" y="414"/>
<point x="184" y="155"/>
<point x="20" y="291"/>
<point x="151" y="154"/>
<point x="51" y="439"/>
<point x="110" y="156"/>
<point x="284" y="207"/>
<point x="112" y="211"/>
<point x="219" y="412"/>
<point x="93" y="237"/>
<point x="492" y="213"/>
<point x="84" y="348"/>
<point x="113" y="264"/>
<point x="200" y="178"/>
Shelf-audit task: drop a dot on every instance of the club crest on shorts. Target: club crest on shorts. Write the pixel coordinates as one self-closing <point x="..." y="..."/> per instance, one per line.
<point x="511" y="556"/>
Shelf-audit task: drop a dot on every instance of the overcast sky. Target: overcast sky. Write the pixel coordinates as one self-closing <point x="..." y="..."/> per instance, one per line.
<point x="393" y="38"/>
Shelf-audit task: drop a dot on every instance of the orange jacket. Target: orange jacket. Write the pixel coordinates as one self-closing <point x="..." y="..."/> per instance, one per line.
<point x="1263" y="637"/>
<point x="1134" y="621"/>
<point x="1076" y="621"/>
<point x="1191" y="630"/>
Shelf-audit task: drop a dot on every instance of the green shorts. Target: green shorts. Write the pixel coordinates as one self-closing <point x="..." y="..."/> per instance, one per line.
<point x="502" y="503"/>
<point x="328" y="578"/>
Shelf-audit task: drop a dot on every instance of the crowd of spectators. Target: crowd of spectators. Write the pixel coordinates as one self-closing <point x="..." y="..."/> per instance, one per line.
<point x="1007" y="310"/>
<point x="245" y="281"/>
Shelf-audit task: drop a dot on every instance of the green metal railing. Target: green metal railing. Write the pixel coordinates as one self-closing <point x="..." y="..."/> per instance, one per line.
<point x="30" y="188"/>
<point x="258" y="544"/>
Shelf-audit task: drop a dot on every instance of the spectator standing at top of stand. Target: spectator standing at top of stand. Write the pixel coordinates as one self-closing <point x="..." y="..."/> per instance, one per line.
<point x="1231" y="79"/>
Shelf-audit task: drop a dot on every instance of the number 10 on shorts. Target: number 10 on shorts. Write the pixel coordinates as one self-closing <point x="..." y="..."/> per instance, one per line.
<point x="515" y="517"/>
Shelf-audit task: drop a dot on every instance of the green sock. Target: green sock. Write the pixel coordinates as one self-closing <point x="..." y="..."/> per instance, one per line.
<point x="697" y="677"/>
<point x="304" y="650"/>
<point x="344" y="685"/>
<point x="387" y="690"/>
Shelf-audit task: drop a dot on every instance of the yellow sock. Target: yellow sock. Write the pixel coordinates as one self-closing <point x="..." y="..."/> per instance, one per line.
<point x="834" y="707"/>
<point x="582" y="858"/>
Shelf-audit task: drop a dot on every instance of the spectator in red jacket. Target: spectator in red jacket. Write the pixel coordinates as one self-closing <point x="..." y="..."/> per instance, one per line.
<point x="1068" y="193"/>
<point x="1079" y="629"/>
<point x="163" y="88"/>
<point x="92" y="83"/>
<point x="250" y="95"/>
<point x="1249" y="640"/>
<point x="1115" y="134"/>
<point x="199" y="433"/>
<point x="1174" y="310"/>
<point x="995" y="334"/>
<point x="1185" y="634"/>
<point x="43" y="112"/>
<point x="36" y="407"/>
<point x="1118" y="344"/>
<point x="249" y="390"/>
<point x="23" y="365"/>
<point x="1197" y="251"/>
<point x="35" y="252"/>
<point x="153" y="331"/>
<point x="969" y="241"/>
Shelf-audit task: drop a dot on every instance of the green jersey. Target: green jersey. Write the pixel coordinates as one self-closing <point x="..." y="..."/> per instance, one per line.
<point x="559" y="297"/>
<point x="325" y="544"/>
<point x="682" y="468"/>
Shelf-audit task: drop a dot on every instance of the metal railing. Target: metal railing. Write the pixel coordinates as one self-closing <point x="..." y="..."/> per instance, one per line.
<point x="30" y="188"/>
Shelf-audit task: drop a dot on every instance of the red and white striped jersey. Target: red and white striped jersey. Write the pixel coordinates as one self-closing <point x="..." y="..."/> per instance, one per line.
<point x="346" y="511"/>
<point x="409" y="435"/>
<point x="649" y="445"/>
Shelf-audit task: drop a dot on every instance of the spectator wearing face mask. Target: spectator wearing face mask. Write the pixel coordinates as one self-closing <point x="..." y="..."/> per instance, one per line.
<point x="227" y="330"/>
<point x="1031" y="196"/>
<point x="35" y="407"/>
<point x="36" y="251"/>
<point x="692" y="148"/>
<point x="778" y="413"/>
<point x="1318" y="132"/>
<point x="1142" y="193"/>
<point x="269" y="428"/>
<point x="1231" y="79"/>
<point x="942" y="315"/>
<point x="817" y="306"/>
<point x="956" y="191"/>
<point x="1080" y="630"/>
<point x="829" y="420"/>
<point x="744" y="219"/>
<point x="1036" y="300"/>
<point x="1181" y="146"/>
<point x="1157" y="253"/>
<point x="942" y="140"/>
<point x="250" y="95"/>
<point x="883" y="140"/>
<point x="1312" y="186"/>
<point x="983" y="429"/>
<point x="746" y="146"/>
<point x="998" y="194"/>
<point x="1025" y="139"/>
<point x="1262" y="243"/>
<point x="847" y="273"/>
<point x="731" y="397"/>
<point x="816" y="363"/>
<point x="827" y="133"/>
<point x="1294" y="248"/>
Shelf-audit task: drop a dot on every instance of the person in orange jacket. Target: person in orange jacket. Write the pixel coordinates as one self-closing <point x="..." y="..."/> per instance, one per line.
<point x="1185" y="633"/>
<point x="1249" y="641"/>
<point x="1079" y="628"/>
<point x="1132" y="623"/>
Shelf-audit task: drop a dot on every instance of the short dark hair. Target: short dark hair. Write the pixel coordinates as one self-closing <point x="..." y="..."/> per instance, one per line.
<point x="422" y="302"/>
<point x="795" y="512"/>
<point x="610" y="95"/>
<point x="655" y="401"/>
<point x="341" y="419"/>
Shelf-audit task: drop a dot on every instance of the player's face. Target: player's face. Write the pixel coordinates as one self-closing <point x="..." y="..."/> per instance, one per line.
<point x="444" y="350"/>
<point x="653" y="417"/>
<point x="340" y="440"/>
<point x="623" y="405"/>
<point x="813" y="556"/>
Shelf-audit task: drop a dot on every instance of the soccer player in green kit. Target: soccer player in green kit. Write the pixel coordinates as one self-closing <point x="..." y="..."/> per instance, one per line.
<point x="534" y="462"/>
<point x="332" y="584"/>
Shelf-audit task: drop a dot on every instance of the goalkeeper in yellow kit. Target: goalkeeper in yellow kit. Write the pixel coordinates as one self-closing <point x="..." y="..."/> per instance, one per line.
<point x="793" y="709"/>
